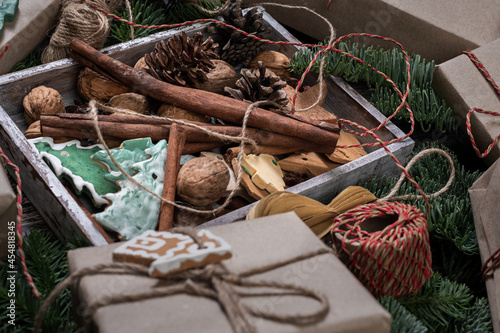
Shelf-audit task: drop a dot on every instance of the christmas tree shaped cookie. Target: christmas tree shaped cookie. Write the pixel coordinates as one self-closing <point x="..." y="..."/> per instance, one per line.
<point x="133" y="210"/>
<point x="71" y="161"/>
<point x="130" y="152"/>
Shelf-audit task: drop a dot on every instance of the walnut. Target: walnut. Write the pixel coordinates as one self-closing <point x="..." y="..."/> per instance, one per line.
<point x="171" y="111"/>
<point x="223" y="75"/>
<point x="42" y="100"/>
<point x="275" y="61"/>
<point x="131" y="102"/>
<point x="202" y="181"/>
<point x="92" y="85"/>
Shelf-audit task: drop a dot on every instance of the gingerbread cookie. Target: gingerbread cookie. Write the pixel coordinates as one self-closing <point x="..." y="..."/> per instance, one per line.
<point x="167" y="253"/>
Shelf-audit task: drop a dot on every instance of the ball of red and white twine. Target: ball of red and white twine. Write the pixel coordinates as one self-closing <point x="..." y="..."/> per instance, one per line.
<point x="386" y="244"/>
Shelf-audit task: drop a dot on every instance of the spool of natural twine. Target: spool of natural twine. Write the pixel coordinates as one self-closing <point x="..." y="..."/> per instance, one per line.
<point x="80" y="20"/>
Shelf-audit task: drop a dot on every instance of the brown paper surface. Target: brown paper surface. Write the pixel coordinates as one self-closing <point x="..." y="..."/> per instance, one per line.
<point x="437" y="30"/>
<point x="256" y="243"/>
<point x="8" y="210"/>
<point x="484" y="195"/>
<point x="463" y="86"/>
<point x="31" y="25"/>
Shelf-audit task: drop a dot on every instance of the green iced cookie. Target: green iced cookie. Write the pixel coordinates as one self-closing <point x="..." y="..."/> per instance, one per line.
<point x="129" y="153"/>
<point x="71" y="161"/>
<point x="133" y="210"/>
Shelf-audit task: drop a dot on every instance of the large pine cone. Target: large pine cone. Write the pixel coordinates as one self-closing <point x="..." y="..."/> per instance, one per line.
<point x="182" y="60"/>
<point x="234" y="47"/>
<point x="259" y="84"/>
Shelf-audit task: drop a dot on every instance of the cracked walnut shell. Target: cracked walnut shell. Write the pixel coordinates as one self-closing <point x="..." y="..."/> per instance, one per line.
<point x="276" y="62"/>
<point x="92" y="85"/>
<point x="42" y="100"/>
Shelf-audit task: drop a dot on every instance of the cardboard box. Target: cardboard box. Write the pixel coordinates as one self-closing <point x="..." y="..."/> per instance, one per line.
<point x="463" y="86"/>
<point x="31" y="25"/>
<point x="267" y="241"/>
<point x="65" y="215"/>
<point x="484" y="195"/>
<point x="437" y="30"/>
<point x="8" y="210"/>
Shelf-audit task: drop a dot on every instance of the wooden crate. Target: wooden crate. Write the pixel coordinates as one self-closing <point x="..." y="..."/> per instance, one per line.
<point x="63" y="212"/>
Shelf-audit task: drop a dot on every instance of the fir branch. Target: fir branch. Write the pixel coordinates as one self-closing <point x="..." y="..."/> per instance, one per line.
<point x="450" y="216"/>
<point x="46" y="260"/>
<point x="187" y="11"/>
<point x="477" y="319"/>
<point x="402" y="320"/>
<point x="33" y="59"/>
<point x="429" y="110"/>
<point x="439" y="302"/>
<point x="458" y="266"/>
<point x="149" y="12"/>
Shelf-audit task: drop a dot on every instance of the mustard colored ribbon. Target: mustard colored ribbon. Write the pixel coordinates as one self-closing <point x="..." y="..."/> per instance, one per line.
<point x="317" y="216"/>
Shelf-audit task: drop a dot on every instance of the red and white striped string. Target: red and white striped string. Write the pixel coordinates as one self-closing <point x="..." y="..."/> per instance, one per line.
<point x="19" y="232"/>
<point x="493" y="262"/>
<point x="4" y="49"/>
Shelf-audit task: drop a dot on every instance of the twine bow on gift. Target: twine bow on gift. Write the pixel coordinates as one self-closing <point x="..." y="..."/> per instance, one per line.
<point x="212" y="281"/>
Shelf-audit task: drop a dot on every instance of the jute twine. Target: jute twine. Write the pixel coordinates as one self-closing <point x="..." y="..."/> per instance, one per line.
<point x="213" y="281"/>
<point x="79" y="20"/>
<point x="386" y="244"/>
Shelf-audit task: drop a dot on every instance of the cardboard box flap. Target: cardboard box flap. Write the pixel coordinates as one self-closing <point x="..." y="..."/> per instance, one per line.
<point x="463" y="18"/>
<point x="256" y="242"/>
<point x="484" y="198"/>
<point x="463" y="86"/>
<point x="437" y="30"/>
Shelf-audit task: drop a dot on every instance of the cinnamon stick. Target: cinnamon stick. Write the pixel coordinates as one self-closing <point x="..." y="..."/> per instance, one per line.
<point x="129" y="127"/>
<point x="198" y="147"/>
<point x="203" y="102"/>
<point x="271" y="150"/>
<point x="175" y="145"/>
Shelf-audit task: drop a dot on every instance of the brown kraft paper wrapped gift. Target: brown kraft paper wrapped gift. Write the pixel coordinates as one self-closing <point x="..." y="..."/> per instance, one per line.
<point x="31" y="25"/>
<point x="256" y="244"/>
<point x="8" y="210"/>
<point x="437" y="30"/>
<point x="484" y="195"/>
<point x="463" y="86"/>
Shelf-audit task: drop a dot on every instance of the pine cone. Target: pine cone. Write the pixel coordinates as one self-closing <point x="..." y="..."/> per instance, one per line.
<point x="259" y="84"/>
<point x="234" y="47"/>
<point x="182" y="60"/>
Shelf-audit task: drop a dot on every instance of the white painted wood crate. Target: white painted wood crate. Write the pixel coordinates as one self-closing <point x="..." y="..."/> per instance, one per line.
<point x="62" y="211"/>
